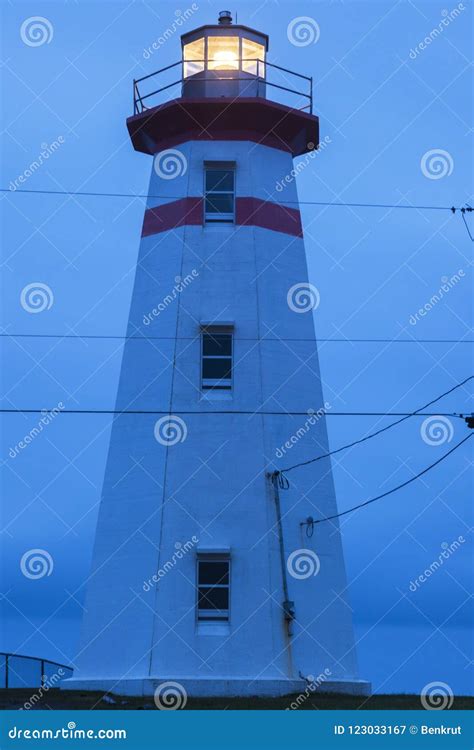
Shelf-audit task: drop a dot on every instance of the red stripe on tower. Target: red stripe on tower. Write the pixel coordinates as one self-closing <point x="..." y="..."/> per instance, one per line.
<point x="248" y="212"/>
<point x="259" y="213"/>
<point x="183" y="212"/>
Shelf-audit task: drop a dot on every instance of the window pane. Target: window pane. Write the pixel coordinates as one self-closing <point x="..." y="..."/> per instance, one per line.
<point x="219" y="179"/>
<point x="216" y="369"/>
<point x="211" y="598"/>
<point x="251" y="52"/>
<point x="193" y="51"/>
<point x="219" y="204"/>
<point x="219" y="344"/>
<point x="213" y="572"/>
<point x="223" y="52"/>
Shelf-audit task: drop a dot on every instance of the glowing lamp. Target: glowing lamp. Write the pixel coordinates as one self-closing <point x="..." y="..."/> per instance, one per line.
<point x="225" y="60"/>
<point x="224" y="47"/>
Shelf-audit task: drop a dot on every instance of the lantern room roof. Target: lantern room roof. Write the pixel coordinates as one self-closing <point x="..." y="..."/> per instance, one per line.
<point x="254" y="119"/>
<point x="224" y="30"/>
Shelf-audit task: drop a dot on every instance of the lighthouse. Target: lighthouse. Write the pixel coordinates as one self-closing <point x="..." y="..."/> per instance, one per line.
<point x="209" y="574"/>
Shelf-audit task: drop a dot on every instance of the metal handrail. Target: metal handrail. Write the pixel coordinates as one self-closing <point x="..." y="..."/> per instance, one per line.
<point x="241" y="59"/>
<point x="286" y="70"/>
<point x="138" y="99"/>
<point x="162" y="70"/>
<point x="9" y="654"/>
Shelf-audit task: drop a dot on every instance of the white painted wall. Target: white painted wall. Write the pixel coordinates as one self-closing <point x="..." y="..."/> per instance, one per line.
<point x="213" y="484"/>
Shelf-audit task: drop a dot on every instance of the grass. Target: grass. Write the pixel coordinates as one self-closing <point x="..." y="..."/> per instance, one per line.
<point x="16" y="698"/>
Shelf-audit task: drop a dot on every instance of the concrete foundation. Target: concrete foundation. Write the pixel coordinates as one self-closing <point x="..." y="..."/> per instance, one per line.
<point x="218" y="687"/>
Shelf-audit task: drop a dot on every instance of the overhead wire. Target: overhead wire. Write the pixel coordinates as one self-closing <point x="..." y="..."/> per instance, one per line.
<point x="463" y="211"/>
<point x="178" y="197"/>
<point x="394" y="489"/>
<point x="265" y="338"/>
<point x="253" y="413"/>
<point x="378" y="432"/>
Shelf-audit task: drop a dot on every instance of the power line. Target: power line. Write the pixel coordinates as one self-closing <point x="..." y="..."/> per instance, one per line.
<point x="417" y="412"/>
<point x="179" y="197"/>
<point x="374" y="205"/>
<point x="255" y="413"/>
<point x="394" y="489"/>
<point x="318" y="339"/>
<point x="463" y="211"/>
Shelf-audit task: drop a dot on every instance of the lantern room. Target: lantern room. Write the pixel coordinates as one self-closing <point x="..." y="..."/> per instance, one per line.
<point x="223" y="60"/>
<point x="224" y="87"/>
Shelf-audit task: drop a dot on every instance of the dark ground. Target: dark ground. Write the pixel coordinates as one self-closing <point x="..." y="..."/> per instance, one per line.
<point x="75" y="700"/>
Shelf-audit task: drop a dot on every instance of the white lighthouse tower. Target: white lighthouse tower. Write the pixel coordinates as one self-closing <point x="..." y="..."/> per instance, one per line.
<point x="205" y="573"/>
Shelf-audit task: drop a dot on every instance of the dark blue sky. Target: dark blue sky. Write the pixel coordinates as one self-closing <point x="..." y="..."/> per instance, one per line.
<point x="381" y="111"/>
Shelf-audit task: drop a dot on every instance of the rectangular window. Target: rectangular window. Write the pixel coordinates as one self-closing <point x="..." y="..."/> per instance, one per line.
<point x="213" y="583"/>
<point x="216" y="359"/>
<point x="193" y="56"/>
<point x="219" y="191"/>
<point x="223" y="53"/>
<point x="253" y="56"/>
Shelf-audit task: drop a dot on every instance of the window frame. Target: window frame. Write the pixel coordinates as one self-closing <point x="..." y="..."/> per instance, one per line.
<point x="260" y="65"/>
<point x="210" y="61"/>
<point x="209" y="385"/>
<point x="199" y="65"/>
<point x="222" y="166"/>
<point x="206" y="614"/>
<point x="254" y="66"/>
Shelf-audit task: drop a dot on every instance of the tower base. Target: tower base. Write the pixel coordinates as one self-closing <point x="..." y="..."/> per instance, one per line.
<point x="217" y="687"/>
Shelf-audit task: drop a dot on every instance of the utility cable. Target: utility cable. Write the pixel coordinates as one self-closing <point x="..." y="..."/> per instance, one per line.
<point x="254" y="413"/>
<point x="179" y="197"/>
<point x="265" y="338"/>
<point x="394" y="489"/>
<point x="463" y="211"/>
<point x="378" y="432"/>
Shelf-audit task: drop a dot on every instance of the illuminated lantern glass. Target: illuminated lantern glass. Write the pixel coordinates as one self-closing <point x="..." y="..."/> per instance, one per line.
<point x="251" y="52"/>
<point x="194" y="52"/>
<point x="223" y="53"/>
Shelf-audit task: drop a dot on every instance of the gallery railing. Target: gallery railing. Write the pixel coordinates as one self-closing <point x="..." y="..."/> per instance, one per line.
<point x="18" y="670"/>
<point x="266" y="75"/>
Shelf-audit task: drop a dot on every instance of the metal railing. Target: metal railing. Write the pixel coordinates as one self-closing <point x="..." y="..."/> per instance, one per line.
<point x="11" y="674"/>
<point x="260" y="78"/>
